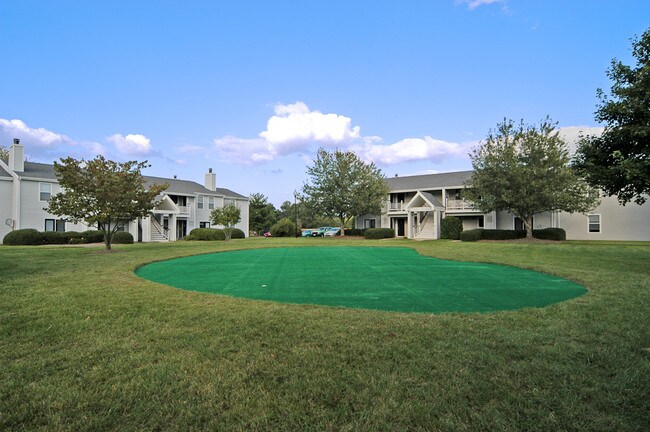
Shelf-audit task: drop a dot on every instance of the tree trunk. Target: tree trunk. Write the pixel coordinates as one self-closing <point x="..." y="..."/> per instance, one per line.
<point x="342" y="220"/>
<point x="528" y="223"/>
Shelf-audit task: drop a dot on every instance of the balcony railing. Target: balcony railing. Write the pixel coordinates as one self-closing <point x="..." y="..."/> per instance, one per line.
<point x="184" y="209"/>
<point x="396" y="207"/>
<point x="456" y="204"/>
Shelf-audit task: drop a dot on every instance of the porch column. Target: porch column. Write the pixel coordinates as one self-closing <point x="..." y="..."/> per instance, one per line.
<point x="409" y="222"/>
<point x="172" y="227"/>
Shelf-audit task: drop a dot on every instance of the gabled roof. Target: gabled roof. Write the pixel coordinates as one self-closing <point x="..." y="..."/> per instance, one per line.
<point x="46" y="171"/>
<point x="427" y="197"/>
<point x="428" y="181"/>
<point x="33" y="169"/>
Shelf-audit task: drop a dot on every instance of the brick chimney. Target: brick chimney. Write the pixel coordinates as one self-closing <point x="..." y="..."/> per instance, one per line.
<point x="17" y="156"/>
<point x="211" y="180"/>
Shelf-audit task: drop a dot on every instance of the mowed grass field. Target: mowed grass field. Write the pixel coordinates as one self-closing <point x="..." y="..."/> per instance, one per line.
<point x="87" y="345"/>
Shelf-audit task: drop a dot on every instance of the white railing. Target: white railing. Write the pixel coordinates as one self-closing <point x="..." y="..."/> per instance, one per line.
<point x="398" y="206"/>
<point x="184" y="209"/>
<point x="159" y="228"/>
<point x="456" y="204"/>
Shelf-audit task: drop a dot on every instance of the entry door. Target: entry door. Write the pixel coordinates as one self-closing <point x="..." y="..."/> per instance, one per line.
<point x="519" y="224"/>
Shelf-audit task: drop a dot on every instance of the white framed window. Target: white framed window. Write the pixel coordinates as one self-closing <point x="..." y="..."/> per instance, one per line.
<point x="204" y="224"/>
<point x="199" y="202"/>
<point x="211" y="203"/>
<point x="55" y="225"/>
<point x="593" y="223"/>
<point x="368" y="223"/>
<point x="45" y="191"/>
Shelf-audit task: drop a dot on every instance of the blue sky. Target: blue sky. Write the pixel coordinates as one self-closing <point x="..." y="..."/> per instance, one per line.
<point x="253" y="88"/>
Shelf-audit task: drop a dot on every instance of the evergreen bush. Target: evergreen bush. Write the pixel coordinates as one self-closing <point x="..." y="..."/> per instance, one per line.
<point x="283" y="228"/>
<point x="23" y="237"/>
<point x="379" y="233"/>
<point x="450" y="228"/>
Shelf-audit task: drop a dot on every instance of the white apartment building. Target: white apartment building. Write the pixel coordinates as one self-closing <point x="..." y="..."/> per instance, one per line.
<point x="416" y="205"/>
<point x="26" y="187"/>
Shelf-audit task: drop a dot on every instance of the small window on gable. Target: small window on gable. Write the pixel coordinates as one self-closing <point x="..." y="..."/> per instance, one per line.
<point x="199" y="202"/>
<point x="45" y="191"/>
<point x="594" y="223"/>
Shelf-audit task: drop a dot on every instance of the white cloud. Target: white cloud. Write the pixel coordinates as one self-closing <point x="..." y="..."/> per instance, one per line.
<point x="295" y="129"/>
<point x="132" y="144"/>
<point x="409" y="150"/>
<point x="295" y="126"/>
<point x="43" y="144"/>
<point x="473" y="4"/>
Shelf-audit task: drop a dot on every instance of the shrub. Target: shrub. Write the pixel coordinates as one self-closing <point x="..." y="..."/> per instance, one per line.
<point x="237" y="234"/>
<point x="207" y="234"/>
<point x="471" y="235"/>
<point x="92" y="236"/>
<point x="20" y="237"/>
<point x="283" y="228"/>
<point x="450" y="228"/>
<point x="498" y="234"/>
<point x="379" y="233"/>
<point x="122" y="237"/>
<point x="53" y="237"/>
<point x="557" y="234"/>
<point x="355" y="232"/>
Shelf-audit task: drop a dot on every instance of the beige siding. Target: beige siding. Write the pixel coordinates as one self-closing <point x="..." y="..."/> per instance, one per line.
<point x="6" y="192"/>
<point x="617" y="222"/>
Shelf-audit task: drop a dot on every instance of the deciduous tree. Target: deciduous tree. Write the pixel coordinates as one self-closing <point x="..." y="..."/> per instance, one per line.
<point x="524" y="169"/>
<point x="227" y="216"/>
<point x="618" y="161"/>
<point x="103" y="193"/>
<point x="4" y="153"/>
<point x="343" y="186"/>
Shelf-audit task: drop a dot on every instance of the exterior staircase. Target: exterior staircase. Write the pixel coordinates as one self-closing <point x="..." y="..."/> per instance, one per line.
<point x="425" y="229"/>
<point x="158" y="232"/>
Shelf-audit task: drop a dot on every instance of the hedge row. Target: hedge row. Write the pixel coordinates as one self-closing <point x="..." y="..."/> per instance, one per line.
<point x="359" y="232"/>
<point x="557" y="234"/>
<point x="32" y="237"/>
<point x="379" y="233"/>
<point x="213" y="234"/>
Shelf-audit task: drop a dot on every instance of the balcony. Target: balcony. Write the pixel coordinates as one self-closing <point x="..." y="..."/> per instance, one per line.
<point x="184" y="210"/>
<point x="396" y="207"/>
<point x="459" y="204"/>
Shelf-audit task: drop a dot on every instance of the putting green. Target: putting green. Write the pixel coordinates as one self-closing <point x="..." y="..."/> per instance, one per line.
<point x="385" y="278"/>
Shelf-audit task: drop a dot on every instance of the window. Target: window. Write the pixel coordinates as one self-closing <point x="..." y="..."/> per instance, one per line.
<point x="368" y="223"/>
<point x="199" y="203"/>
<point x="49" y="225"/>
<point x="55" y="225"/>
<point x="45" y="190"/>
<point x="594" y="223"/>
<point x="211" y="203"/>
<point x="204" y="224"/>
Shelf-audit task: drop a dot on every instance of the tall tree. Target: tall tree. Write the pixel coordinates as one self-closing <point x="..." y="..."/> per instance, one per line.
<point x="343" y="186"/>
<point x="102" y="192"/>
<point x="4" y="153"/>
<point x="524" y="169"/>
<point x="618" y="161"/>
<point x="227" y="216"/>
<point x="262" y="213"/>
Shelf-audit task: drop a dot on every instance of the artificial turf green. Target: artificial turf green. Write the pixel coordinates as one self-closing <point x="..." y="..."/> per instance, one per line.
<point x="392" y="279"/>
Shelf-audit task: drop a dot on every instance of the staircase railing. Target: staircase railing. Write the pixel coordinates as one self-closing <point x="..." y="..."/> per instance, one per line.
<point x="159" y="228"/>
<point x="422" y="224"/>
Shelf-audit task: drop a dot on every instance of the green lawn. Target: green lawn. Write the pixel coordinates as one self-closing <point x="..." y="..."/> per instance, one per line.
<point x="87" y="345"/>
